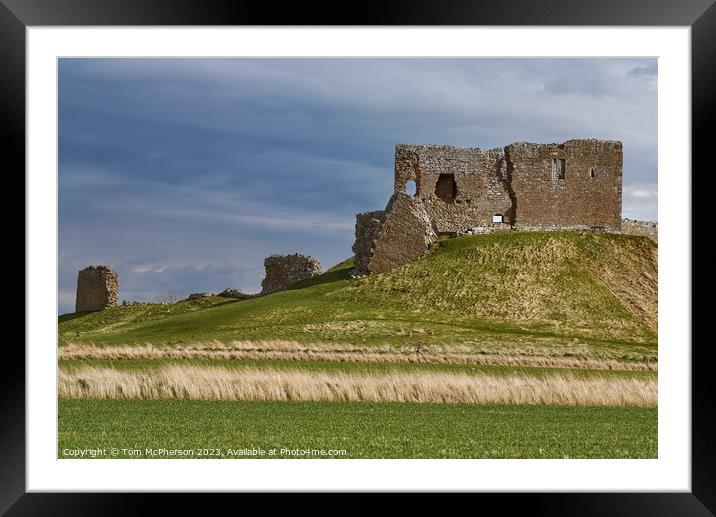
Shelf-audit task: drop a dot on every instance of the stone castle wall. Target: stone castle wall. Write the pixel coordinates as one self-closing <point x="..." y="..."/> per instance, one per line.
<point x="97" y="289"/>
<point x="642" y="228"/>
<point x="282" y="271"/>
<point x="478" y="180"/>
<point x="575" y="185"/>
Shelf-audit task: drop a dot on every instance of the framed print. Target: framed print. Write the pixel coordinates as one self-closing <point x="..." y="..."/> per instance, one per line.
<point x="422" y="249"/>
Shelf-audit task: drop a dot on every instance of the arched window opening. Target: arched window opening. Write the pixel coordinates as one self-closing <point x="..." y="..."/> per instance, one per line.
<point x="410" y="188"/>
<point x="592" y="172"/>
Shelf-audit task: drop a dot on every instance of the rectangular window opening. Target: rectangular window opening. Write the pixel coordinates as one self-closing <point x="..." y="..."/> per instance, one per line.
<point x="446" y="188"/>
<point x="559" y="166"/>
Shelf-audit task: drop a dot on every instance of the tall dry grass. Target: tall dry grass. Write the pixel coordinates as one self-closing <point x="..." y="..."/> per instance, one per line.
<point x="294" y="351"/>
<point x="215" y="383"/>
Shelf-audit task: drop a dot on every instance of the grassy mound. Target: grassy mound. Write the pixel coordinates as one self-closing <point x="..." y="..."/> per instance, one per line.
<point x="573" y="292"/>
<point x="595" y="283"/>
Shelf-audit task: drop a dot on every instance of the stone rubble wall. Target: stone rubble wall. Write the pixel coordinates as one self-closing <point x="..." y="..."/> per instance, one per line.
<point x="642" y="228"/>
<point x="404" y="236"/>
<point x="562" y="228"/>
<point x="97" y="289"/>
<point x="480" y="178"/>
<point x="197" y="296"/>
<point x="486" y="228"/>
<point x="235" y="293"/>
<point x="282" y="271"/>
<point x="368" y="225"/>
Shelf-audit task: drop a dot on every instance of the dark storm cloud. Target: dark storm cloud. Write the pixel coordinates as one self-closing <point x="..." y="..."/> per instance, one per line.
<point x="185" y="174"/>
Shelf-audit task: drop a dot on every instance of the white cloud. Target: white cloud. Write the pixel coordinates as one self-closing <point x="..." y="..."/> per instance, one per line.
<point x="640" y="201"/>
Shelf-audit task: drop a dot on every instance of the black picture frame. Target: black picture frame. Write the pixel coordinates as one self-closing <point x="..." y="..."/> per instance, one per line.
<point x="17" y="15"/>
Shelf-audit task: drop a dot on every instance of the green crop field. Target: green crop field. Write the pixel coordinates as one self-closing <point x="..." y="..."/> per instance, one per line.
<point x="363" y="430"/>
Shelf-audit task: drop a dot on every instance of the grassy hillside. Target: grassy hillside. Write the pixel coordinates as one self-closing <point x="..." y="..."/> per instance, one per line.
<point x="578" y="293"/>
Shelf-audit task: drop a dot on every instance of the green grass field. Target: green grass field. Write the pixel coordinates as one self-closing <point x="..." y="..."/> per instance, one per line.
<point x="363" y="430"/>
<point x="345" y="366"/>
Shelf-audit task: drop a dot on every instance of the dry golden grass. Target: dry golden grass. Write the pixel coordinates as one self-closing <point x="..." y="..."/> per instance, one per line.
<point x="291" y="350"/>
<point x="214" y="383"/>
<point x="633" y="278"/>
<point x="588" y="283"/>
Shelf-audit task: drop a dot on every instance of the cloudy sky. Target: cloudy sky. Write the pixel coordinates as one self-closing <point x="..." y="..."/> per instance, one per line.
<point x="184" y="174"/>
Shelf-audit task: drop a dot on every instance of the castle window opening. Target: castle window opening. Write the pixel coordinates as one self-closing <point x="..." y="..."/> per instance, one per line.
<point x="410" y="188"/>
<point x="446" y="187"/>
<point x="558" y="168"/>
<point x="497" y="218"/>
<point x="591" y="172"/>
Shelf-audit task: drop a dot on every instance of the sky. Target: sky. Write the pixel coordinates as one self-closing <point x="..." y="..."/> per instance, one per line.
<point x="184" y="174"/>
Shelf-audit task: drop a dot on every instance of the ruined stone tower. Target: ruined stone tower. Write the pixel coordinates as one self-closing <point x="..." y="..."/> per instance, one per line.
<point x="283" y="271"/>
<point x="445" y="190"/>
<point x="97" y="289"/>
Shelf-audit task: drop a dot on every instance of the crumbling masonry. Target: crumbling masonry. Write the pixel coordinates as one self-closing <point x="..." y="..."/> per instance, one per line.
<point x="641" y="228"/>
<point x="576" y="185"/>
<point x="283" y="271"/>
<point x="97" y="289"/>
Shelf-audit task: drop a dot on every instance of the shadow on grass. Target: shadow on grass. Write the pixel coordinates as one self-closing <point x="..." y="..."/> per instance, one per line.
<point x="227" y="301"/>
<point x="73" y="315"/>
<point x="325" y="278"/>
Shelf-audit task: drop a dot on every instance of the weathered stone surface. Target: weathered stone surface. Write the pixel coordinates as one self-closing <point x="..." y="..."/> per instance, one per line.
<point x="235" y="293"/>
<point x="575" y="185"/>
<point x="196" y="296"/>
<point x="643" y="228"/>
<point x="97" y="289"/>
<point x="283" y="271"/>
<point x="134" y="303"/>
<point x="404" y="236"/>
<point x="486" y="228"/>
<point x="476" y="178"/>
<point x="367" y="226"/>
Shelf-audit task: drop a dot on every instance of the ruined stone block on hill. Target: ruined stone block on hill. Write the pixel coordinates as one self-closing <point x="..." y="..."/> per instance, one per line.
<point x="97" y="289"/>
<point x="235" y="293"/>
<point x="405" y="235"/>
<point x="283" y="271"/>
<point x="367" y="226"/>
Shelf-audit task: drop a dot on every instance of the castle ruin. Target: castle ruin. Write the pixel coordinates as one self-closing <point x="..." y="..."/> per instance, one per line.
<point x="444" y="190"/>
<point x="283" y="271"/>
<point x="97" y="289"/>
<point x="646" y="229"/>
